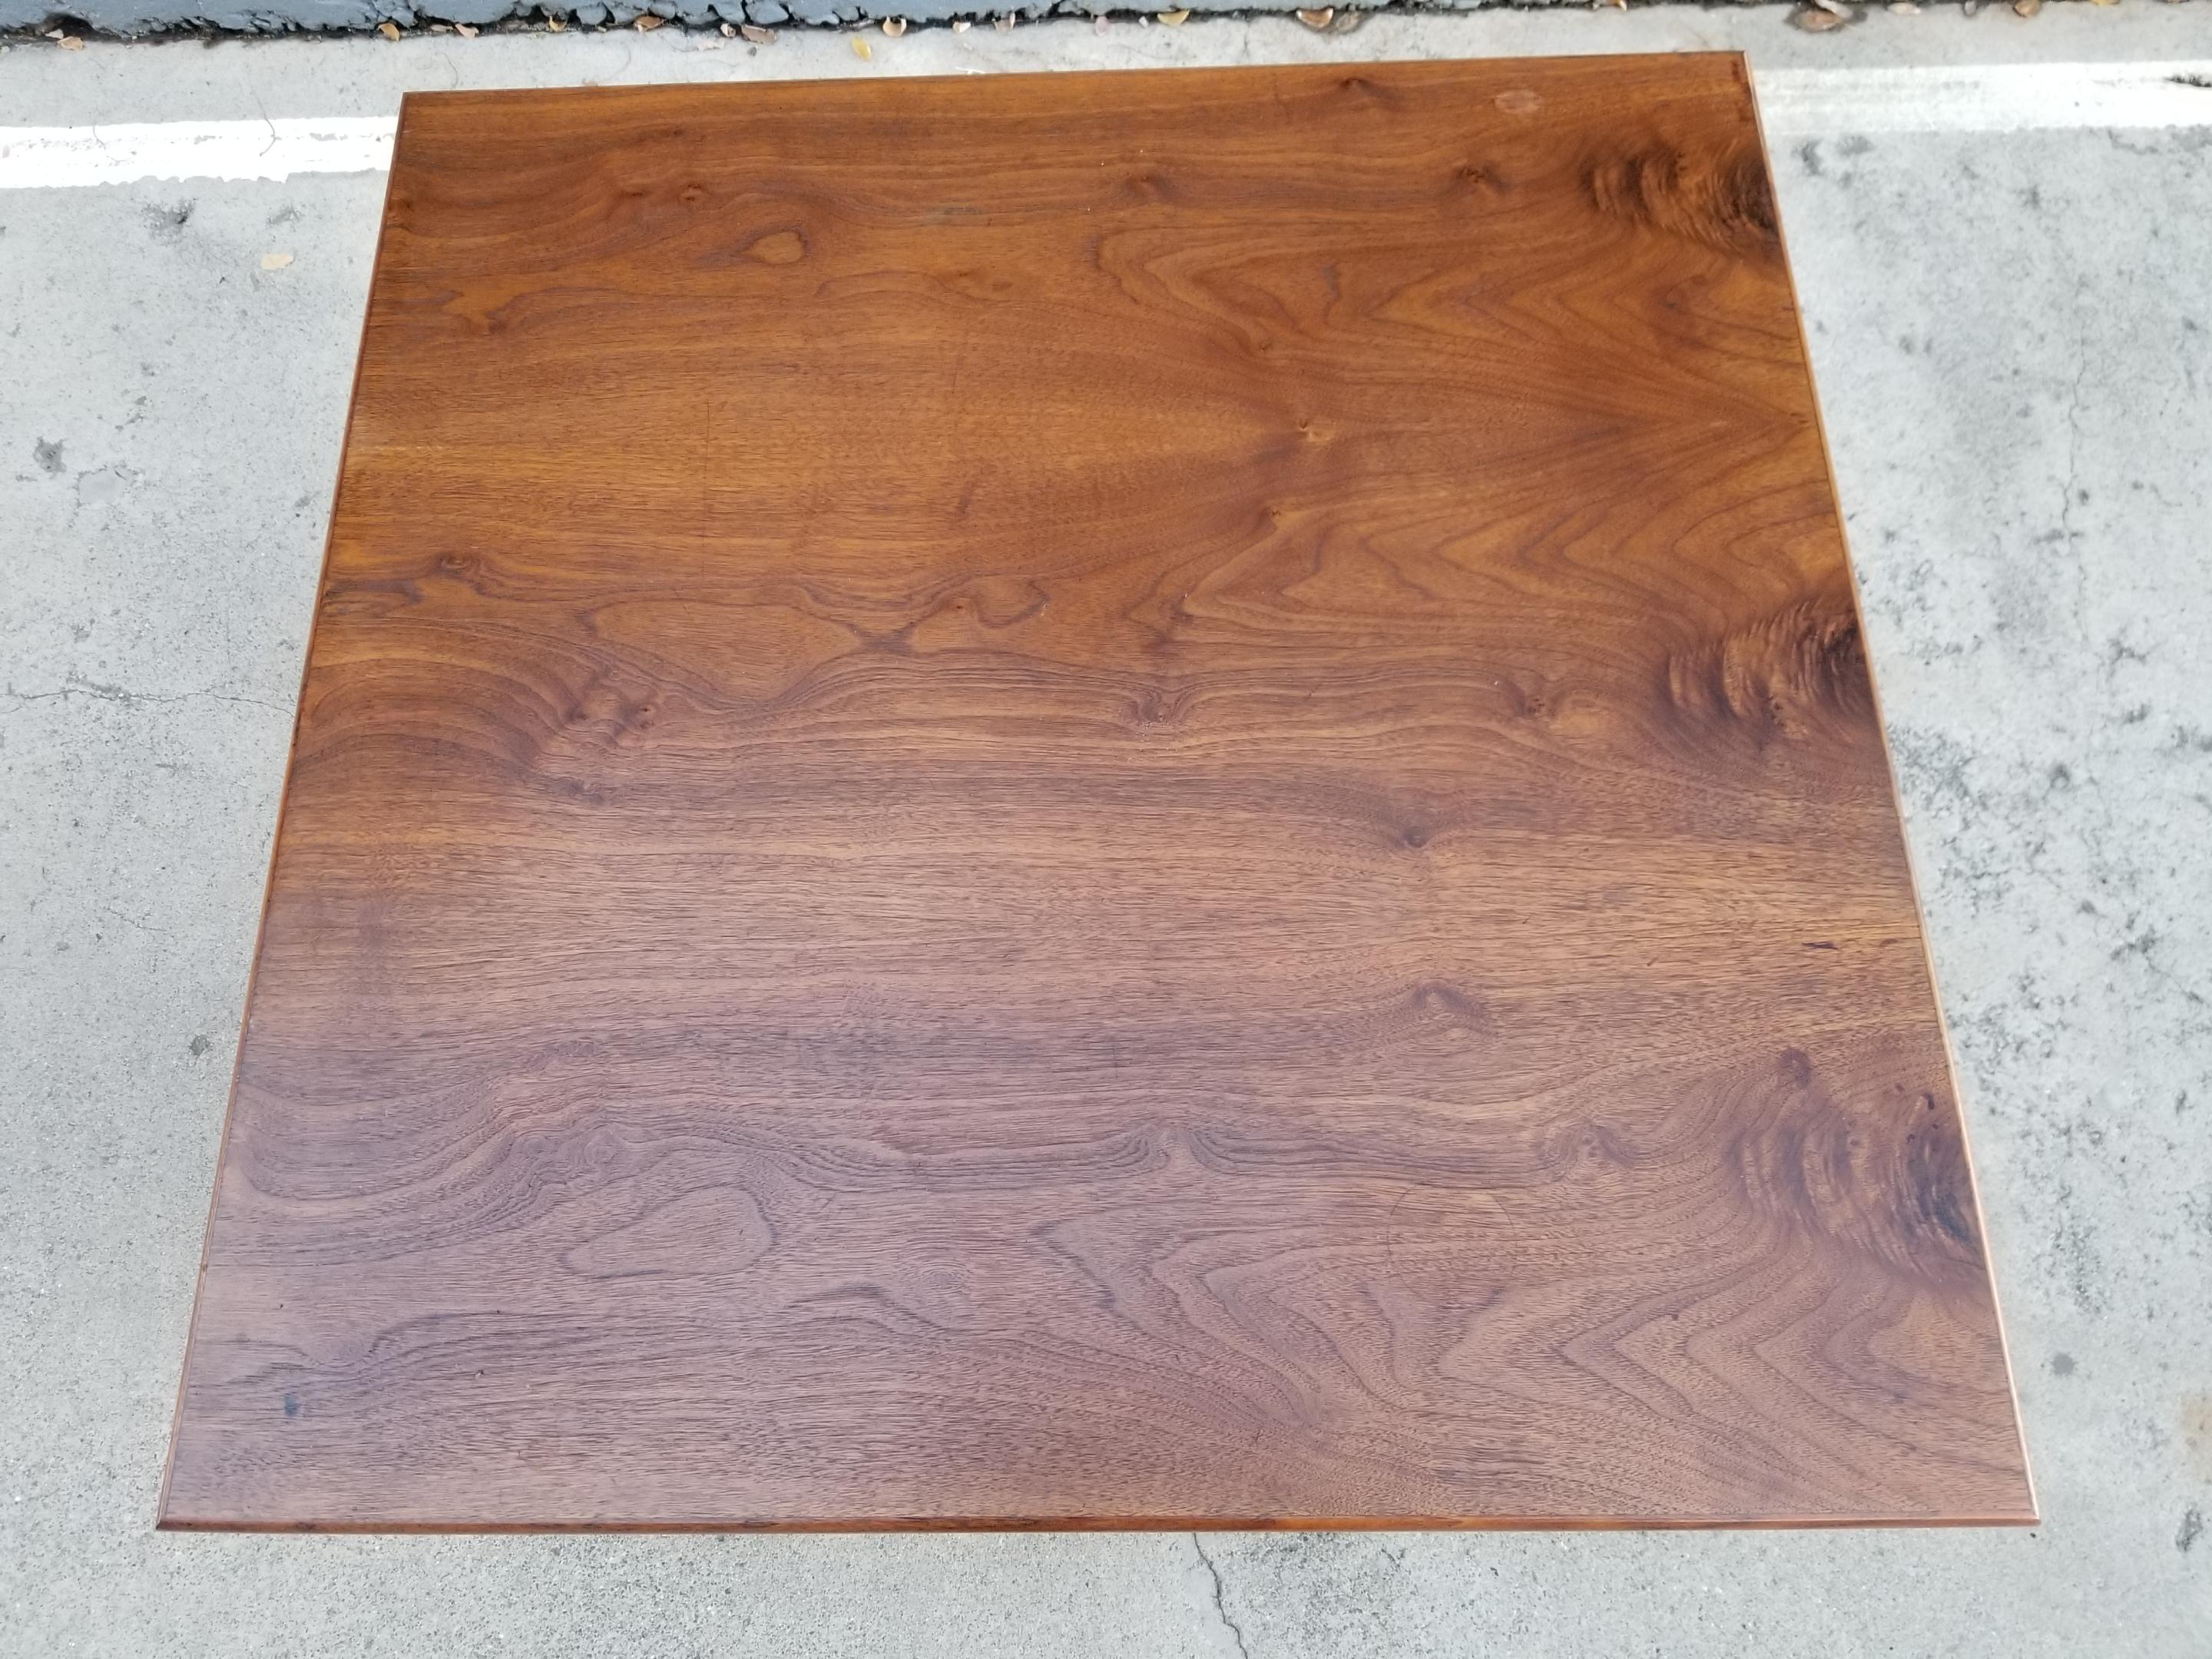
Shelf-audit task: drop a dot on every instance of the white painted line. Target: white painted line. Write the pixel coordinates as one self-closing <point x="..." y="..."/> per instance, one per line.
<point x="32" y="157"/>
<point x="2007" y="98"/>
<point x="1793" y="102"/>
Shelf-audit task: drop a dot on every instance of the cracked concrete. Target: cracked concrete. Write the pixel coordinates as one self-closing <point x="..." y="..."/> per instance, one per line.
<point x="1220" y="1605"/>
<point x="2013" y="334"/>
<point x="81" y="688"/>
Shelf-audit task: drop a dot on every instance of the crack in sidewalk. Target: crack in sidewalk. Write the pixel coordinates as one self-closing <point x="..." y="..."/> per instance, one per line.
<point x="1221" y="1607"/>
<point x="77" y="687"/>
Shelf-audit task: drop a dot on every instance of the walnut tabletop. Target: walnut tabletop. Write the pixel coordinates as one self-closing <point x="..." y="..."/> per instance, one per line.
<point x="1091" y="801"/>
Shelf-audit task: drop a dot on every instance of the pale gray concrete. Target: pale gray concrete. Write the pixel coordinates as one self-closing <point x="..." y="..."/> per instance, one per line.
<point x="2013" y="334"/>
<point x="40" y="84"/>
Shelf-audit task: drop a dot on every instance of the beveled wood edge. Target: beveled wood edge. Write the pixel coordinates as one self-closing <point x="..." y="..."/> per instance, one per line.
<point x="163" y="1519"/>
<point x="1913" y="881"/>
<point x="1004" y="1523"/>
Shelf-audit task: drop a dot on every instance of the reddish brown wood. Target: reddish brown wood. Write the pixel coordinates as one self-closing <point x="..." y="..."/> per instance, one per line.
<point x="1093" y="801"/>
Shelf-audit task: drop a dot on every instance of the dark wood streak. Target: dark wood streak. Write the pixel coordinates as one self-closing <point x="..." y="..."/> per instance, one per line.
<point x="1138" y="800"/>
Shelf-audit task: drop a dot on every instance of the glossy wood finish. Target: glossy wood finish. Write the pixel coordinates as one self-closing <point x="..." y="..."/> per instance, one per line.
<point x="1091" y="801"/>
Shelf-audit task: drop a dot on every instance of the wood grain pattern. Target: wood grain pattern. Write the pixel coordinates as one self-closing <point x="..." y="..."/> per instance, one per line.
<point x="1091" y="801"/>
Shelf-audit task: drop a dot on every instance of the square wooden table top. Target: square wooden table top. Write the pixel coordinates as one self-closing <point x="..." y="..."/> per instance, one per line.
<point x="1091" y="801"/>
